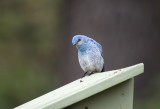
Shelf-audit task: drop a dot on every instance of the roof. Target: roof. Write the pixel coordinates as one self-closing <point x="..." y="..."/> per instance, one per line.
<point x="77" y="91"/>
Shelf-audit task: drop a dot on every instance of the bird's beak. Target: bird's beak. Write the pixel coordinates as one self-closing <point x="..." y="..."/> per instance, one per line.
<point x="74" y="44"/>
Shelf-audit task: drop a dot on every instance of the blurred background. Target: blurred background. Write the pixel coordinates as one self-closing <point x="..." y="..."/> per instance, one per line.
<point x="37" y="56"/>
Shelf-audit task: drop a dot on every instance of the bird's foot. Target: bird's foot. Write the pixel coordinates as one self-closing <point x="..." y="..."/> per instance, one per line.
<point x="90" y="73"/>
<point x="84" y="75"/>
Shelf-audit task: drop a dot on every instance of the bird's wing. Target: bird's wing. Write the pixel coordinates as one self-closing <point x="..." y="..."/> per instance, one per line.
<point x="98" y="45"/>
<point x="100" y="48"/>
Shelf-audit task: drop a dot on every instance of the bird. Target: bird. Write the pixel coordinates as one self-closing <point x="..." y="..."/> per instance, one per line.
<point x="90" y="54"/>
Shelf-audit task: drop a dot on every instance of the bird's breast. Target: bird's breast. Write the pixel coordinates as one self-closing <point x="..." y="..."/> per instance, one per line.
<point x="90" y="61"/>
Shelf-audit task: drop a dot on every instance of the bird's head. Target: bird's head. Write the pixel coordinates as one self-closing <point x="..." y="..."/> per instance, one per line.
<point x="79" y="40"/>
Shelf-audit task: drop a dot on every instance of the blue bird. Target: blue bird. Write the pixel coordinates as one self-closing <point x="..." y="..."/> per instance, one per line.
<point x="90" y="54"/>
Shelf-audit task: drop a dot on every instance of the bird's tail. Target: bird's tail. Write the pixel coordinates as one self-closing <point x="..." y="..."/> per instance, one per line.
<point x="103" y="70"/>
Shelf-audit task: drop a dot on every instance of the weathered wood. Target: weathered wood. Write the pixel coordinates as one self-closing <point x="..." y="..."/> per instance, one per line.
<point x="117" y="97"/>
<point x="77" y="91"/>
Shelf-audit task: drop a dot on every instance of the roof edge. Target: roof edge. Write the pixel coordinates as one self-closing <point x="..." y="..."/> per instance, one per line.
<point x="77" y="91"/>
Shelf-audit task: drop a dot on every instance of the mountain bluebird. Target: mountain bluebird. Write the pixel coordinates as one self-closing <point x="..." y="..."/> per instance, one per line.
<point x="89" y="54"/>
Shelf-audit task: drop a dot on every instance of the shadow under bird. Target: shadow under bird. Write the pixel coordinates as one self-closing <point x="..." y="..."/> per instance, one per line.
<point x="90" y="54"/>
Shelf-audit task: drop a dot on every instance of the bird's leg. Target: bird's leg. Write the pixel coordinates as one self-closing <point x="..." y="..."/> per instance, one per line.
<point x="84" y="75"/>
<point x="90" y="73"/>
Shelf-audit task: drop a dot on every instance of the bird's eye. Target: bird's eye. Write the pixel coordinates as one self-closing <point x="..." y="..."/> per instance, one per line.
<point x="79" y="40"/>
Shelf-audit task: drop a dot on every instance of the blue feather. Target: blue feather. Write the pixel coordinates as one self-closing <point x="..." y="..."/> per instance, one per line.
<point x="90" y="53"/>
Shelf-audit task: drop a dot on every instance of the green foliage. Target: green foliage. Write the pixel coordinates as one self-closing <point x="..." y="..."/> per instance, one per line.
<point x="29" y="33"/>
